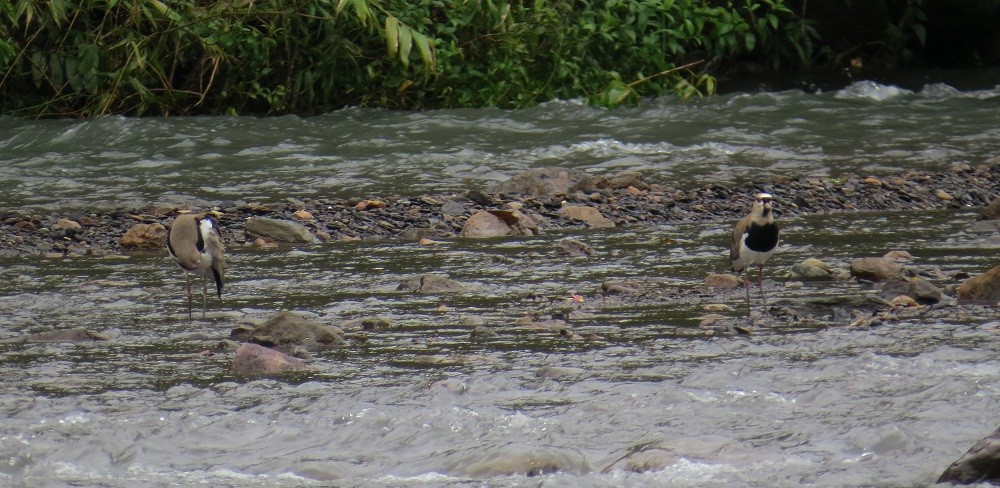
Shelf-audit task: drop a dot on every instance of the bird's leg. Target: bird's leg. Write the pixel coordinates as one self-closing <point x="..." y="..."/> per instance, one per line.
<point x="760" y="284"/>
<point x="188" y="278"/>
<point x="204" y="296"/>
<point x="746" y="287"/>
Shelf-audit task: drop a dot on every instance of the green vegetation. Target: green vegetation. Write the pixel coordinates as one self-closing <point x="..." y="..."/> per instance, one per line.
<point x="160" y="57"/>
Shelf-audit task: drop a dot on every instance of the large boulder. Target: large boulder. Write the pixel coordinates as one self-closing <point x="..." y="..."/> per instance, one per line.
<point x="981" y="464"/>
<point x="278" y="230"/>
<point x="542" y="182"/>
<point x="288" y="332"/>
<point x="484" y="224"/>
<point x="984" y="288"/>
<point x="145" y="237"/>
<point x="257" y="359"/>
<point x="877" y="269"/>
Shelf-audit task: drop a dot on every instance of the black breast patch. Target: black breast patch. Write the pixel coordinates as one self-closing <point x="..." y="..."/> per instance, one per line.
<point x="762" y="238"/>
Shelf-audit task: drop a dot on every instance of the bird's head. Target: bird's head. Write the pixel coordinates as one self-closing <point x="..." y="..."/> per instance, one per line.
<point x="763" y="200"/>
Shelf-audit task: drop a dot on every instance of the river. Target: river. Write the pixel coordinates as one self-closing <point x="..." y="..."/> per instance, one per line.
<point x="419" y="403"/>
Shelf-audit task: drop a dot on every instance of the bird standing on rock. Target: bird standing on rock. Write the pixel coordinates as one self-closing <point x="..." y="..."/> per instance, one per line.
<point x="196" y="244"/>
<point x="754" y="240"/>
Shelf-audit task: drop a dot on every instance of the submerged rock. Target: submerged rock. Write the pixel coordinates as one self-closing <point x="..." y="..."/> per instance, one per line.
<point x="145" y="237"/>
<point x="573" y="247"/>
<point x="278" y="230"/>
<point x="432" y="283"/>
<point x="287" y="331"/>
<point x="516" y="459"/>
<point x="991" y="211"/>
<point x="256" y="359"/>
<point x="920" y="290"/>
<point x="76" y="334"/>
<point x="876" y="269"/>
<point x="981" y="464"/>
<point x="542" y="182"/>
<point x="984" y="288"/>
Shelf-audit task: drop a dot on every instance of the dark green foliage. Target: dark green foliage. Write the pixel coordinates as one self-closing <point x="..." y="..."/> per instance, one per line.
<point x="160" y="57"/>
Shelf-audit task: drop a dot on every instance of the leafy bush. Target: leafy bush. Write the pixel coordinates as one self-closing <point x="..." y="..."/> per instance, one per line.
<point x="160" y="57"/>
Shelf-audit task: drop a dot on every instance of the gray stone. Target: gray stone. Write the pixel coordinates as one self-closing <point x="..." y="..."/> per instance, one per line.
<point x="278" y="230"/>
<point x="981" y="464"/>
<point x="542" y="182"/>
<point x="257" y="359"/>
<point x="876" y="269"/>
<point x="287" y="331"/>
<point x="573" y="247"/>
<point x="76" y="334"/>
<point x="921" y="290"/>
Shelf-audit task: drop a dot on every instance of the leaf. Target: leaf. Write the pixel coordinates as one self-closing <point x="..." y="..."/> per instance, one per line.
<point x="426" y="50"/>
<point x="921" y="33"/>
<point x="405" y="44"/>
<point x="392" y="35"/>
<point x="751" y="41"/>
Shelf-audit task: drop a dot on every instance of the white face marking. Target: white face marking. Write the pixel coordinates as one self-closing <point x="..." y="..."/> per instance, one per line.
<point x="205" y="227"/>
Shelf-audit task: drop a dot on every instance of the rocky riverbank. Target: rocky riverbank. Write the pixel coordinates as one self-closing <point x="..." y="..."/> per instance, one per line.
<point x="532" y="202"/>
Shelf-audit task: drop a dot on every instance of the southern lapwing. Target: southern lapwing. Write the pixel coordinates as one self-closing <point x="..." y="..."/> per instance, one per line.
<point x="196" y="244"/>
<point x="754" y="240"/>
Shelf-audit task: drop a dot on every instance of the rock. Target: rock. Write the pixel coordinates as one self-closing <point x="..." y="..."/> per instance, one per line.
<point x="876" y="269"/>
<point x="588" y="215"/>
<point x="985" y="227"/>
<point x="432" y="283"/>
<point x="520" y="223"/>
<point x="724" y="281"/>
<point x="898" y="255"/>
<point x="943" y="195"/>
<point x="620" y="288"/>
<point x="560" y="373"/>
<point x="67" y="225"/>
<point x="981" y="464"/>
<point x="542" y="182"/>
<point x="483" y="224"/>
<point x="991" y="211"/>
<point x="482" y="332"/>
<point x="257" y="359"/>
<point x="514" y="458"/>
<point x="286" y="331"/>
<point x="984" y="288"/>
<point x="303" y="215"/>
<point x="76" y="334"/>
<point x="145" y="237"/>
<point x="260" y="243"/>
<point x="903" y="301"/>
<point x="627" y="179"/>
<point x="920" y="290"/>
<point x="871" y="180"/>
<point x="278" y="230"/>
<point x="573" y="247"/>
<point x="812" y="269"/>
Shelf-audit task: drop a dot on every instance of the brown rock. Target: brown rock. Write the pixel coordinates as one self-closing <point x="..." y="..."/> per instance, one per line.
<point x="66" y="224"/>
<point x="542" y="181"/>
<point x="145" y="236"/>
<point x="432" y="283"/>
<point x="257" y="359"/>
<point x="991" y="211"/>
<point x="943" y="195"/>
<point x="984" y="288"/>
<point x="286" y="331"/>
<point x="876" y="269"/>
<point x="873" y="181"/>
<point x="588" y="215"/>
<point x="898" y="255"/>
<point x="724" y="281"/>
<point x="303" y="215"/>
<point x="573" y="247"/>
<point x="484" y="224"/>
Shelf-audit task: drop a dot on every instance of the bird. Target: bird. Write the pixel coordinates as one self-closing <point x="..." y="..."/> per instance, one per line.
<point x="196" y="245"/>
<point x="755" y="239"/>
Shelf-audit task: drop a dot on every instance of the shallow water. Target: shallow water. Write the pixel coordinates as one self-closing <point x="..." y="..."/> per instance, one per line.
<point x="865" y="128"/>
<point x="420" y="404"/>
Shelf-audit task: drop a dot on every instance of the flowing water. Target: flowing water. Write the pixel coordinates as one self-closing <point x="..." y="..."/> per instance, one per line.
<point x="420" y="404"/>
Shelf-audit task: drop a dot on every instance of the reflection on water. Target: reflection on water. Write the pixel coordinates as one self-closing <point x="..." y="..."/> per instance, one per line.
<point x="114" y="161"/>
<point x="419" y="404"/>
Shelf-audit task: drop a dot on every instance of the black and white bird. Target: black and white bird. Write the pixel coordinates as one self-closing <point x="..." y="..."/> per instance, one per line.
<point x="754" y="240"/>
<point x="195" y="243"/>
